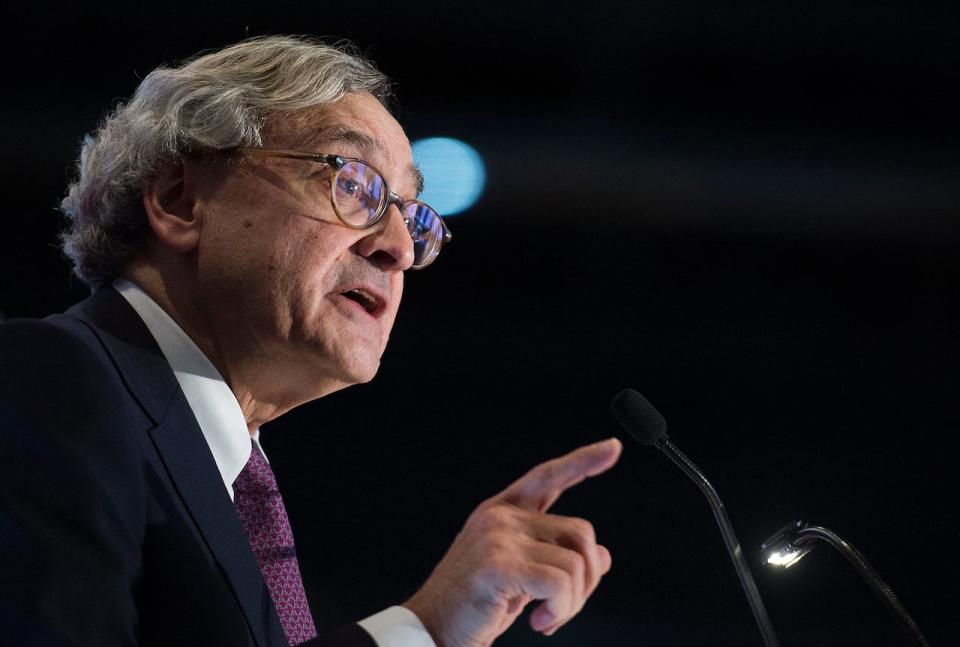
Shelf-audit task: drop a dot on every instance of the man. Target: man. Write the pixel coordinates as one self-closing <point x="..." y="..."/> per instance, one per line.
<point x="245" y="223"/>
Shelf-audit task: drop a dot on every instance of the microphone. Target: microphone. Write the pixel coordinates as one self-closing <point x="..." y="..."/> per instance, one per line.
<point x="645" y="424"/>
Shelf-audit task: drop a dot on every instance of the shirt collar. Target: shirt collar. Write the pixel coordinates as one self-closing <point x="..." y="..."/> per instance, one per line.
<point x="213" y="403"/>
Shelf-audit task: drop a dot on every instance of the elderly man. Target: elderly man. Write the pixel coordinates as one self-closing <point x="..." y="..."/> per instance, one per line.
<point x="245" y="222"/>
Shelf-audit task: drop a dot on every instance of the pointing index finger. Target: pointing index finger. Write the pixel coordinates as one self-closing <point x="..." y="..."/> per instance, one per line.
<point x="539" y="488"/>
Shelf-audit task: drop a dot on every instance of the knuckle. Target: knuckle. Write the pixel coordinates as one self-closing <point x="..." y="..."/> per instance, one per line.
<point x="490" y="517"/>
<point x="548" y="470"/>
<point x="543" y="475"/>
<point x="559" y="580"/>
<point x="583" y="530"/>
<point x="577" y="566"/>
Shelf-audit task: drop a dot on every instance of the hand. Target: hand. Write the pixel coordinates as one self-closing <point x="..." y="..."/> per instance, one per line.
<point x="511" y="552"/>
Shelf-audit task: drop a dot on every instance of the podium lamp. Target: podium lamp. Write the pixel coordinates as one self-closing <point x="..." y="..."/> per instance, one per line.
<point x="792" y="542"/>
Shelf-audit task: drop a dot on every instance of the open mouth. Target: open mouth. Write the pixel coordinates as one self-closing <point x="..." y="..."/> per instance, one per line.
<point x="367" y="301"/>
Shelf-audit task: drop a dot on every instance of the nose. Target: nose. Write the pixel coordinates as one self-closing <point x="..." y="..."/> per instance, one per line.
<point x="388" y="243"/>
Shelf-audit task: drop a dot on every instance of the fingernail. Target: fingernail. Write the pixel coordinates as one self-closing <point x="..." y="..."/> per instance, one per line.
<point x="607" y="443"/>
<point x="541" y="619"/>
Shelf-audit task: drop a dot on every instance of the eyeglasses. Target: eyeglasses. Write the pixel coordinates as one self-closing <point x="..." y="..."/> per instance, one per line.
<point x="360" y="196"/>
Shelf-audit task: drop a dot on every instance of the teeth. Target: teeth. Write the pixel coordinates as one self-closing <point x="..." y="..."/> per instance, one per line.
<point x="367" y="299"/>
<point x="366" y="296"/>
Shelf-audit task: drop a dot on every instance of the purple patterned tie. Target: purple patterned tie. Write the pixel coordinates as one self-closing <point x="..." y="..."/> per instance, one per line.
<point x="265" y="521"/>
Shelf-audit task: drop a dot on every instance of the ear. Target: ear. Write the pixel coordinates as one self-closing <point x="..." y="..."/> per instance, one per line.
<point x="169" y="202"/>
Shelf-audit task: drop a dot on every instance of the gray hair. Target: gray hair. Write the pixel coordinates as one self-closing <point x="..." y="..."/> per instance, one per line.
<point x="217" y="101"/>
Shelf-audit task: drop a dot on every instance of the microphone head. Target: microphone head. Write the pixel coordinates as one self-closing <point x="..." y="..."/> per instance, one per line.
<point x="638" y="417"/>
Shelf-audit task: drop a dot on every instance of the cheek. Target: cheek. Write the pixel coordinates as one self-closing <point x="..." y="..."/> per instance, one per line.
<point x="304" y="270"/>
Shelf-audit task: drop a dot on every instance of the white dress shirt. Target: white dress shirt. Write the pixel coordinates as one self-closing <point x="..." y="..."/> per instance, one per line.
<point x="225" y="429"/>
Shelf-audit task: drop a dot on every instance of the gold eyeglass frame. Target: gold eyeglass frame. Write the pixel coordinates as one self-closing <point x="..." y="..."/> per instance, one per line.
<point x="336" y="163"/>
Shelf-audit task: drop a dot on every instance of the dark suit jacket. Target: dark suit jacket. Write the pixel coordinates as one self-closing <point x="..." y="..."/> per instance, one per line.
<point x="115" y="527"/>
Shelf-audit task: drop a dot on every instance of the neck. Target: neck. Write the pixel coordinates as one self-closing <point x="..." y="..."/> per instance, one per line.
<point x="257" y="380"/>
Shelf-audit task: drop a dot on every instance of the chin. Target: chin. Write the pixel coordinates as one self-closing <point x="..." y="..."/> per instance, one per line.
<point x="356" y="370"/>
<point x="362" y="362"/>
<point x="366" y="374"/>
<point x="343" y="381"/>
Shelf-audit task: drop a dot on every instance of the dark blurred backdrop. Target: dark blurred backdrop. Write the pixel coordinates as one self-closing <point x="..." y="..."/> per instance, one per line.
<point x="748" y="211"/>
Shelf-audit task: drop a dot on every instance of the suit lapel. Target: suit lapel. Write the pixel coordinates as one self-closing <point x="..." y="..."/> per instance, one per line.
<point x="184" y="452"/>
<point x="194" y="473"/>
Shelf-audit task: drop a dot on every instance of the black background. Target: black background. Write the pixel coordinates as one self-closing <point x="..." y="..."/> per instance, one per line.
<point x="748" y="211"/>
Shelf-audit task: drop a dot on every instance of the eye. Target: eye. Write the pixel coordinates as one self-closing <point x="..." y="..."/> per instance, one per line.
<point x="350" y="188"/>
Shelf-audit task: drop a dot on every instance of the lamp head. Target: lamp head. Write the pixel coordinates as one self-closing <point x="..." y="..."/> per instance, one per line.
<point x="785" y="548"/>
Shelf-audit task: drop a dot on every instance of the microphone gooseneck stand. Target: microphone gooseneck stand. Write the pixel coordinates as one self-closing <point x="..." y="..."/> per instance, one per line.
<point x="804" y="534"/>
<point x="645" y="424"/>
<point x="729" y="538"/>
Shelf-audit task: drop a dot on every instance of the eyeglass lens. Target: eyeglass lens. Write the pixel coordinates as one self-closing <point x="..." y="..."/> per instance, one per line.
<point x="426" y="229"/>
<point x="359" y="195"/>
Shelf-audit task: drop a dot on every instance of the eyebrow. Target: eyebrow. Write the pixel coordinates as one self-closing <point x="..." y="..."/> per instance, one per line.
<point x="418" y="178"/>
<point x="363" y="141"/>
<point x="367" y="145"/>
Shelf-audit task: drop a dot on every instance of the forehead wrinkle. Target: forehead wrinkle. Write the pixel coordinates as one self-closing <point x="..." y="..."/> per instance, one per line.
<point x="342" y="135"/>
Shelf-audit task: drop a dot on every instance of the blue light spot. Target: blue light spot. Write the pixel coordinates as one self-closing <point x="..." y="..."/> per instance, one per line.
<point x="453" y="172"/>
